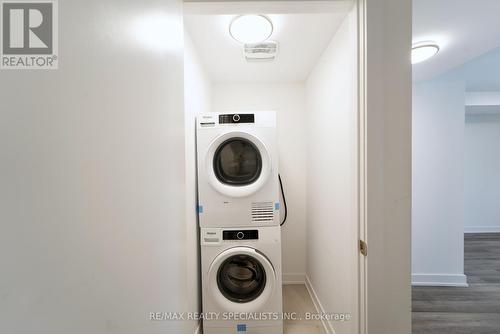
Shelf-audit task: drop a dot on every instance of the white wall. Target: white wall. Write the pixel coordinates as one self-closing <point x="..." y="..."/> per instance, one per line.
<point x="482" y="140"/>
<point x="197" y="99"/>
<point x="438" y="188"/>
<point x="482" y="174"/>
<point x="385" y="129"/>
<point x="288" y="100"/>
<point x="462" y="188"/>
<point x="92" y="219"/>
<point x="332" y="223"/>
<point x="483" y="73"/>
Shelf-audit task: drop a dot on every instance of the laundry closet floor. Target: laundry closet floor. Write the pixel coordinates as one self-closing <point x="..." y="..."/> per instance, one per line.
<point x="296" y="299"/>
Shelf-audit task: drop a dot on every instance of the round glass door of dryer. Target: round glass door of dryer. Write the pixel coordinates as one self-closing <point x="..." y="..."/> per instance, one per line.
<point x="237" y="162"/>
<point x="241" y="278"/>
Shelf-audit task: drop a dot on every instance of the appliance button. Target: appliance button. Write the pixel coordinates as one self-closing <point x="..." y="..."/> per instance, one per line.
<point x="236" y="118"/>
<point x="240" y="235"/>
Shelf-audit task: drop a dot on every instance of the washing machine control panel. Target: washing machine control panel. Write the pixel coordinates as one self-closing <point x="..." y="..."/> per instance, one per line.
<point x="236" y="118"/>
<point x="240" y="235"/>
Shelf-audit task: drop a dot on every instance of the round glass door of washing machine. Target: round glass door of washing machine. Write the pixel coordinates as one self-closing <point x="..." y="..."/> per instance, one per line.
<point x="241" y="279"/>
<point x="238" y="164"/>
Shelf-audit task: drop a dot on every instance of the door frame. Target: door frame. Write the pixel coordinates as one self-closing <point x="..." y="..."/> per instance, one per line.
<point x="384" y="165"/>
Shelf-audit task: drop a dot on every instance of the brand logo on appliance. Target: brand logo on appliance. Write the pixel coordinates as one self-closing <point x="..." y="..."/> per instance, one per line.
<point x="29" y="35"/>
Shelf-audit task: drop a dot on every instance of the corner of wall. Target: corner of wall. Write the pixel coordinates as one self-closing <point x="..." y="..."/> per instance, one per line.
<point x="197" y="99"/>
<point x="327" y="326"/>
<point x="294" y="278"/>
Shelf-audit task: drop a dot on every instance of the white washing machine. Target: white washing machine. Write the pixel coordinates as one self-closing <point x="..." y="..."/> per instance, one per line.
<point x="237" y="159"/>
<point x="241" y="280"/>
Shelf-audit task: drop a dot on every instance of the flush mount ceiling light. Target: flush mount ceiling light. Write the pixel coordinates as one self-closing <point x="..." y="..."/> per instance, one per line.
<point x="422" y="51"/>
<point x="251" y="28"/>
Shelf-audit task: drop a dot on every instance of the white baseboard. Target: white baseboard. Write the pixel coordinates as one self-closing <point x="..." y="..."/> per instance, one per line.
<point x="294" y="278"/>
<point x="198" y="329"/>
<point x="327" y="326"/>
<point x="482" y="229"/>
<point x="439" y="280"/>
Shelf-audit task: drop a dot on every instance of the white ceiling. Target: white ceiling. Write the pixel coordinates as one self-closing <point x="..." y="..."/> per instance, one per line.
<point x="302" y="30"/>
<point x="464" y="29"/>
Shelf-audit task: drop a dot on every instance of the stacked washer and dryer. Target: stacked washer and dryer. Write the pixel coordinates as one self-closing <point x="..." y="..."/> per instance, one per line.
<point x="238" y="207"/>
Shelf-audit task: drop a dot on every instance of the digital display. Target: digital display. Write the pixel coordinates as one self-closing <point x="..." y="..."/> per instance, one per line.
<point x="240" y="235"/>
<point x="236" y="118"/>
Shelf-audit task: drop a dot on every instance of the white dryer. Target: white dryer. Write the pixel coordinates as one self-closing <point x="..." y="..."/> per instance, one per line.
<point x="237" y="159"/>
<point x="241" y="280"/>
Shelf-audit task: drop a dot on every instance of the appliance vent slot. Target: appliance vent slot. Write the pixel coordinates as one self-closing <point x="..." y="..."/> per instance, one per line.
<point x="261" y="51"/>
<point x="262" y="212"/>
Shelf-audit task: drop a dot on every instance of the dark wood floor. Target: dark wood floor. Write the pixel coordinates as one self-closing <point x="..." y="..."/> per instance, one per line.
<point x="471" y="310"/>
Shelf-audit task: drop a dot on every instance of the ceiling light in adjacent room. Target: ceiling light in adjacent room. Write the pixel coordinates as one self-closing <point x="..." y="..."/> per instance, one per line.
<point x="251" y="28"/>
<point x="423" y="51"/>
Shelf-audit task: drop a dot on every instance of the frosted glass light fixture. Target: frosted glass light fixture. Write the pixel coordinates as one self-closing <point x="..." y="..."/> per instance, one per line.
<point x="251" y="28"/>
<point x="422" y="51"/>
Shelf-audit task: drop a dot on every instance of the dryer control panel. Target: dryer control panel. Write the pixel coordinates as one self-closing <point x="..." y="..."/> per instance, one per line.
<point x="236" y="118"/>
<point x="258" y="119"/>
